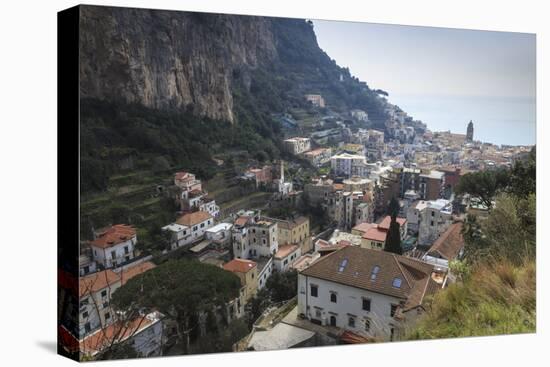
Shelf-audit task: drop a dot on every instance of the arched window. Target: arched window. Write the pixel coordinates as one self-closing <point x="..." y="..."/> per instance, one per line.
<point x="333" y="297"/>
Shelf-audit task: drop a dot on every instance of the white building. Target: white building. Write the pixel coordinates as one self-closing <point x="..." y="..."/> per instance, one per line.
<point x="286" y="256"/>
<point x="192" y="196"/>
<point x="114" y="246"/>
<point x="189" y="228"/>
<point x="435" y="218"/>
<point x="348" y="165"/>
<point x="359" y="115"/>
<point x="368" y="292"/>
<point x="297" y="145"/>
<point x="219" y="234"/>
<point x="95" y="291"/>
<point x="143" y="334"/>
<point x="253" y="237"/>
<point x="319" y="156"/>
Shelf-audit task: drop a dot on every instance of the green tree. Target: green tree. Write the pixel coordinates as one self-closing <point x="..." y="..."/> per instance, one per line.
<point x="483" y="185"/>
<point x="180" y="289"/>
<point x="282" y="286"/>
<point x="393" y="237"/>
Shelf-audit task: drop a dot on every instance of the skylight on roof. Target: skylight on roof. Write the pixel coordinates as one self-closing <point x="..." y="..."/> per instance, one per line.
<point x="343" y="265"/>
<point x="396" y="282"/>
<point x="374" y="272"/>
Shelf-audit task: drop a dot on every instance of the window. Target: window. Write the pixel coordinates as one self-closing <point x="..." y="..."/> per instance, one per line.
<point x="433" y="213"/>
<point x="392" y="332"/>
<point x="396" y="282"/>
<point x="85" y="314"/>
<point x="351" y="321"/>
<point x="84" y="302"/>
<point x="367" y="324"/>
<point x="195" y="228"/>
<point x="113" y="255"/>
<point x="263" y="232"/>
<point x="366" y="304"/>
<point x="393" y="309"/>
<point x="202" y="225"/>
<point x="432" y="223"/>
<point x="105" y="304"/>
<point x="314" y="290"/>
<point x="87" y="327"/>
<point x="343" y="265"/>
<point x="332" y="320"/>
<point x="285" y="262"/>
<point x="104" y="293"/>
<point x="374" y="272"/>
<point x="333" y="297"/>
<point x="126" y="251"/>
<point x="107" y="315"/>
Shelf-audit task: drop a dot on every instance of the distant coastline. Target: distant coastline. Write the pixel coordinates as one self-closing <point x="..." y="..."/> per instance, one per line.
<point x="497" y="120"/>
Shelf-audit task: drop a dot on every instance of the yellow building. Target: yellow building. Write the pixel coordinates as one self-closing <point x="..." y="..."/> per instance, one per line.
<point x="295" y="232"/>
<point x="247" y="271"/>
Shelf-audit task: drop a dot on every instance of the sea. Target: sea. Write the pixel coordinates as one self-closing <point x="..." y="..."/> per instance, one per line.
<point x="497" y="120"/>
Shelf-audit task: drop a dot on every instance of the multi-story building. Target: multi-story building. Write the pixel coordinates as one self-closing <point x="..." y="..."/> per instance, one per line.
<point x="316" y="99"/>
<point x="189" y="228"/>
<point x="220" y="234"/>
<point x="191" y="196"/>
<point x="297" y="145"/>
<point x="247" y="271"/>
<point x="319" y="189"/>
<point x="348" y="165"/>
<point x="431" y="185"/>
<point x="261" y="176"/>
<point x="374" y="237"/>
<point x="95" y="292"/>
<point x="286" y="256"/>
<point x="339" y="206"/>
<point x="114" y="246"/>
<point x="294" y="231"/>
<point x="435" y="218"/>
<point x="368" y="292"/>
<point x="254" y="237"/>
<point x="318" y="157"/>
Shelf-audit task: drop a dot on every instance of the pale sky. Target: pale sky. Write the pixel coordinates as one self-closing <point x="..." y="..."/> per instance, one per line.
<point x="406" y="60"/>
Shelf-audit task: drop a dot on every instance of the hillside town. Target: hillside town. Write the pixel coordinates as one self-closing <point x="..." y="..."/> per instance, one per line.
<point x="332" y="204"/>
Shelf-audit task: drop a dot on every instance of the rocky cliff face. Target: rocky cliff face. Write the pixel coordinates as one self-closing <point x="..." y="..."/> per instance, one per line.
<point x="167" y="59"/>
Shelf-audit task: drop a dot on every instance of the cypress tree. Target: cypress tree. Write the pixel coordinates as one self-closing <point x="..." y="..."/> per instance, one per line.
<point x="393" y="238"/>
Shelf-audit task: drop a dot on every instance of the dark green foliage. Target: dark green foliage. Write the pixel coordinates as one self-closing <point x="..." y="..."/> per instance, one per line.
<point x="393" y="208"/>
<point x="483" y="185"/>
<point x="393" y="238"/>
<point x="181" y="290"/>
<point x="524" y="175"/>
<point x="282" y="286"/>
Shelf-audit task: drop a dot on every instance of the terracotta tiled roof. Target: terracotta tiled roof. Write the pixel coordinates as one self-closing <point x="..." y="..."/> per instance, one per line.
<point x="113" y="236"/>
<point x="239" y="265"/>
<point x="114" y="333"/>
<point x="132" y="271"/>
<point x="363" y="227"/>
<point x="285" y="250"/>
<point x="354" y="266"/>
<point x="95" y="282"/>
<point x="194" y="218"/>
<point x="375" y="234"/>
<point x="242" y="220"/>
<point x="448" y="245"/>
<point x="385" y="224"/>
<point x="182" y="175"/>
<point x="107" y="278"/>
